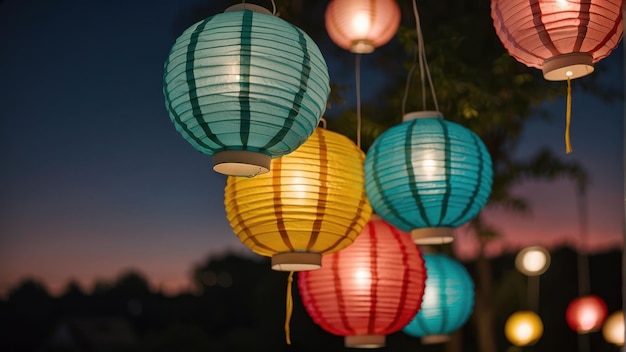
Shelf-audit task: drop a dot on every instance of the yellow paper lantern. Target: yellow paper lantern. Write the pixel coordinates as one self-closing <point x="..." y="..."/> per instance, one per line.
<point x="523" y="328"/>
<point x="312" y="202"/>
<point x="613" y="330"/>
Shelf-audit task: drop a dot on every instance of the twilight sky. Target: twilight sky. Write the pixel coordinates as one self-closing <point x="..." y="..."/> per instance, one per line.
<point x="94" y="179"/>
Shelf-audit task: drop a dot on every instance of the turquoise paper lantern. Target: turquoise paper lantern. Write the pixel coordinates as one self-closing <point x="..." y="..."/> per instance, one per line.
<point x="448" y="300"/>
<point x="428" y="176"/>
<point x="244" y="87"/>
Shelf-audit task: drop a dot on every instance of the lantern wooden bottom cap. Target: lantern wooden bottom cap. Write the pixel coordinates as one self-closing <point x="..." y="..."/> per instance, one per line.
<point x="433" y="235"/>
<point x="365" y="341"/>
<point x="433" y="339"/>
<point x="562" y="67"/>
<point x="363" y="46"/>
<point x="241" y="163"/>
<point x="296" y="261"/>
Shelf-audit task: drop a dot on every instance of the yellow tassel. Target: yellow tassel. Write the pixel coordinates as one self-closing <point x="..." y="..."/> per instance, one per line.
<point x="289" y="307"/>
<point x="568" y="143"/>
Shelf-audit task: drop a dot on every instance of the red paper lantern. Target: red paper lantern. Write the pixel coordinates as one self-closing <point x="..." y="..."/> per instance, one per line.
<point x="563" y="38"/>
<point x="586" y="314"/>
<point x="370" y="289"/>
<point x="361" y="26"/>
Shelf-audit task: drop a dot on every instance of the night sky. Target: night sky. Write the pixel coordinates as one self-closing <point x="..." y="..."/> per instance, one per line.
<point x="94" y="179"/>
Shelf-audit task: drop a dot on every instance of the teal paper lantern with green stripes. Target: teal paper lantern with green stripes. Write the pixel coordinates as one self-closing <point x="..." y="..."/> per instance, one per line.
<point x="428" y="176"/>
<point x="244" y="87"/>
<point x="448" y="300"/>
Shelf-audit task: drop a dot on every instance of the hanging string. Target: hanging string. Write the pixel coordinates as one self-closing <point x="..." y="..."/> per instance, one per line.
<point x="289" y="306"/>
<point x="322" y="122"/>
<point x="408" y="81"/>
<point x="273" y="8"/>
<point x="357" y="79"/>
<point x="583" y="260"/>
<point x="423" y="62"/>
<point x="568" y="117"/>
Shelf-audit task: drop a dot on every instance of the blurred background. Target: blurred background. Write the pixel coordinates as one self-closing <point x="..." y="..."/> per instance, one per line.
<point x="111" y="222"/>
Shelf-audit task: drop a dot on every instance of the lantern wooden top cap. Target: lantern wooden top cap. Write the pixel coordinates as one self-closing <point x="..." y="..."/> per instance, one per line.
<point x="249" y="7"/>
<point x="433" y="235"/>
<point x="562" y="67"/>
<point x="422" y="114"/>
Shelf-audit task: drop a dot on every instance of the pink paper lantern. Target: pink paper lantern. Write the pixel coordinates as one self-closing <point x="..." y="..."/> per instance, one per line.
<point x="563" y="38"/>
<point x="361" y="26"/>
<point x="586" y="314"/>
<point x="368" y="290"/>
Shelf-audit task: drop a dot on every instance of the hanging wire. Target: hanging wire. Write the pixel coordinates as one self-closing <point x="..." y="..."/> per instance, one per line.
<point x="322" y="122"/>
<point x="423" y="62"/>
<point x="273" y="8"/>
<point x="357" y="79"/>
<point x="408" y="81"/>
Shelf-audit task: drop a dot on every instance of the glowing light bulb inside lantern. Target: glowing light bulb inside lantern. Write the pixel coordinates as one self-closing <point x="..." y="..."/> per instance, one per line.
<point x="524" y="331"/>
<point x="587" y="318"/>
<point x="361" y="24"/>
<point x="362" y="278"/>
<point x="428" y="166"/>
<point x="534" y="261"/>
<point x="297" y="188"/>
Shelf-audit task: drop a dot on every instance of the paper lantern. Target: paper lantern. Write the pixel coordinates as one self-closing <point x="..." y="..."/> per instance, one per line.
<point x="523" y="328"/>
<point x="613" y="329"/>
<point x="361" y="26"/>
<point x="563" y="38"/>
<point x="428" y="176"/>
<point x="313" y="202"/>
<point x="244" y="87"/>
<point x="370" y="289"/>
<point x="586" y="314"/>
<point x="448" y="300"/>
<point x="532" y="261"/>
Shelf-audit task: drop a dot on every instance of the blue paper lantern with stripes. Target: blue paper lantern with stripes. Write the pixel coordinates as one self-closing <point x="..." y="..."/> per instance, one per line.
<point x="428" y="176"/>
<point x="244" y="87"/>
<point x="448" y="300"/>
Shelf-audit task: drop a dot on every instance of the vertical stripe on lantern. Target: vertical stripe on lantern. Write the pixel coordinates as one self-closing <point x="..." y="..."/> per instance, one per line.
<point x="609" y="35"/>
<point x="447" y="173"/>
<point x="508" y="35"/>
<point x="541" y="28"/>
<point x="351" y="229"/>
<point x="371" y="328"/>
<point x="245" y="54"/>
<point x="191" y="82"/>
<point x="404" y="290"/>
<point x="177" y="118"/>
<point x="239" y="221"/>
<point x="479" y="179"/>
<point x="584" y="16"/>
<point x="341" y="304"/>
<point x="322" y="189"/>
<point x="297" y="101"/>
<point x="278" y="206"/>
<point x="412" y="180"/>
<point x="385" y="201"/>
